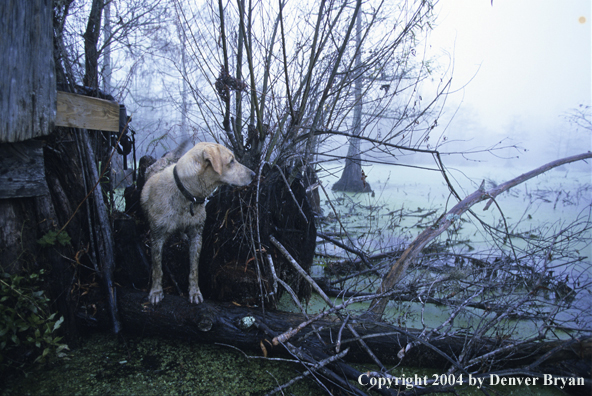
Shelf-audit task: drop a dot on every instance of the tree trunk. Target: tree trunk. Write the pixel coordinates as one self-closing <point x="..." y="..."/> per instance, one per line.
<point x="353" y="178"/>
<point x="91" y="39"/>
<point x="228" y="323"/>
<point x="107" y="31"/>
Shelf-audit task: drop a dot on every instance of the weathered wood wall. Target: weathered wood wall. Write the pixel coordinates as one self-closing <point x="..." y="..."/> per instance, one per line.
<point x="27" y="73"/>
<point x="22" y="171"/>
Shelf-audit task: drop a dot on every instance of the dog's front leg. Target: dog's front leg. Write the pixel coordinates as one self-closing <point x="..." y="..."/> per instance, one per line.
<point x="156" y="294"/>
<point x="194" y="250"/>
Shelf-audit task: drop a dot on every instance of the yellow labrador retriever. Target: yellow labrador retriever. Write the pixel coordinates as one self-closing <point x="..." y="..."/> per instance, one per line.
<point x="174" y="201"/>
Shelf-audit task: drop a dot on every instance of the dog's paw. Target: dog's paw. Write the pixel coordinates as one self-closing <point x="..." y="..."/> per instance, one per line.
<point x="195" y="297"/>
<point x="156" y="296"/>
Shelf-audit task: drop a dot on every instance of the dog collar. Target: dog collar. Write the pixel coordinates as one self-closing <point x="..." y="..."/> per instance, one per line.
<point x="191" y="198"/>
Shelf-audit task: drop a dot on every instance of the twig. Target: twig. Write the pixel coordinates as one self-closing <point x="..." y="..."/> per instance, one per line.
<point x="262" y="357"/>
<point x="505" y="226"/>
<point x="292" y="194"/>
<point x="292" y="332"/>
<point x="275" y="277"/>
<point x="508" y="347"/>
<point x="296" y="301"/>
<point x="92" y="251"/>
<point x="338" y="344"/>
<point x="341" y="224"/>
<point x="500" y="316"/>
<point x="302" y="355"/>
<point x="355" y="251"/>
<point x="321" y="293"/>
<point x="415" y="337"/>
<point x="535" y="172"/>
<point x="552" y="352"/>
<point x="314" y="367"/>
<point x="105" y="244"/>
<point x="408" y="347"/>
<point x="363" y="272"/>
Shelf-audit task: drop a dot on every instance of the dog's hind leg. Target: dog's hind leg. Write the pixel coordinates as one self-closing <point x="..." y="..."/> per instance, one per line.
<point x="156" y="294"/>
<point x="194" y="250"/>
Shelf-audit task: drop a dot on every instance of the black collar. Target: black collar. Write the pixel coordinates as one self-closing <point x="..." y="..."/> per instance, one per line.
<point x="187" y="194"/>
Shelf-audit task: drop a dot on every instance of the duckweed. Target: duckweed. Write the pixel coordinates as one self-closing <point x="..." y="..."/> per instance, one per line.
<point x="154" y="366"/>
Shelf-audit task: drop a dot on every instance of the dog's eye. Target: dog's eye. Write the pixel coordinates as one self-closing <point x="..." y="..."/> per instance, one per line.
<point x="231" y="162"/>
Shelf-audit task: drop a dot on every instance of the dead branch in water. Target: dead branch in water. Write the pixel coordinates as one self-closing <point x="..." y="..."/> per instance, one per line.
<point x="398" y="269"/>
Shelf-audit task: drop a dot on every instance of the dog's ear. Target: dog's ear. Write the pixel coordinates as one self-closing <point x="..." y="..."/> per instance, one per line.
<point x="212" y="155"/>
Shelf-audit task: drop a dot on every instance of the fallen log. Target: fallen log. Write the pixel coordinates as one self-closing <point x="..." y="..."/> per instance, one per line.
<point x="227" y="323"/>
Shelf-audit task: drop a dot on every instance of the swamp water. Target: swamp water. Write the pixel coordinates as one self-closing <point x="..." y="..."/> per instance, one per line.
<point x="149" y="366"/>
<point x="556" y="202"/>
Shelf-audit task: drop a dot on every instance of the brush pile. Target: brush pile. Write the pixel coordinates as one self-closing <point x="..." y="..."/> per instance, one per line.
<point x="238" y="261"/>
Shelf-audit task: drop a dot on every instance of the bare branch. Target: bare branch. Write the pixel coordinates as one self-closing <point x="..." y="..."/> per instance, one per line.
<point x="398" y="269"/>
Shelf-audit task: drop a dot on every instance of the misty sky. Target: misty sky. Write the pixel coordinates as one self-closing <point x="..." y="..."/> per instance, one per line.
<point x="527" y="60"/>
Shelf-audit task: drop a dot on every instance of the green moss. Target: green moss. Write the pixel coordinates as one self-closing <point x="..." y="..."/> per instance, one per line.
<point x="151" y="366"/>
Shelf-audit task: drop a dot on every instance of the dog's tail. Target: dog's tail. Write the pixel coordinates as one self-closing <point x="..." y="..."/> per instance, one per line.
<point x="170" y="157"/>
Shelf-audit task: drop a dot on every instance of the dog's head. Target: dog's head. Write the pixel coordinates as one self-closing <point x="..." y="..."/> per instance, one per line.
<point x="215" y="165"/>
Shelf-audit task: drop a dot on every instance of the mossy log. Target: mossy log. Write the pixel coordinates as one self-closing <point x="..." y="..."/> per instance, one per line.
<point x="227" y="323"/>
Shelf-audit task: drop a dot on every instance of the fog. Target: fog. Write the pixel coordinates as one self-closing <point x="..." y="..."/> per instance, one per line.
<point x="518" y="69"/>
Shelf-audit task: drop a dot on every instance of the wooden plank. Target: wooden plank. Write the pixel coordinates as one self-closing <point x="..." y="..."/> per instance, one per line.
<point x="22" y="170"/>
<point x="27" y="77"/>
<point x="79" y="111"/>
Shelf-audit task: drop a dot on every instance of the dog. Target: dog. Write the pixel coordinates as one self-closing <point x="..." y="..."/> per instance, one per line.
<point x="173" y="200"/>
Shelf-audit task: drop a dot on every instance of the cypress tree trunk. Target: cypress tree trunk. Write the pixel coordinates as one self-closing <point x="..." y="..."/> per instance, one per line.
<point x="353" y="178"/>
